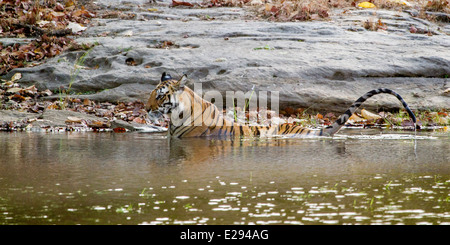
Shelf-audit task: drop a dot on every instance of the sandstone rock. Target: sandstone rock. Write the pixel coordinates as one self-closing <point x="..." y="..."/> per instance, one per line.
<point x="322" y="65"/>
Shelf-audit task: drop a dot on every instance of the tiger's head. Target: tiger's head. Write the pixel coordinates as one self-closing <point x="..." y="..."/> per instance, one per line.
<point x="163" y="99"/>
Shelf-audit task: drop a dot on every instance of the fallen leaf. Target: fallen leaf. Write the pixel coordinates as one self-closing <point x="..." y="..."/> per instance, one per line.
<point x="53" y="106"/>
<point x="70" y="3"/>
<point x="87" y="102"/>
<point x="299" y="111"/>
<point x="74" y="100"/>
<point x="75" y="27"/>
<point x="82" y="12"/>
<point x="139" y="120"/>
<point x="176" y="3"/>
<point x="42" y="23"/>
<point x="46" y="92"/>
<point x="16" y="77"/>
<point x="59" y="7"/>
<point x="289" y="110"/>
<point x="366" y="5"/>
<point x="119" y="130"/>
<point x="355" y="118"/>
<point x="274" y="9"/>
<point x="369" y="115"/>
<point x="73" y="120"/>
<point x="31" y="90"/>
<point x="56" y="16"/>
<point x="97" y="124"/>
<point x="13" y="90"/>
<point x="18" y="97"/>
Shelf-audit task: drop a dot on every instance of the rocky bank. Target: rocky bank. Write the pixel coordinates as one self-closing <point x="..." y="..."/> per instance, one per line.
<point x="322" y="65"/>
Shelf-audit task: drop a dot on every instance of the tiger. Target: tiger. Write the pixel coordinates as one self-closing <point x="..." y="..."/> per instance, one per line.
<point x="173" y="96"/>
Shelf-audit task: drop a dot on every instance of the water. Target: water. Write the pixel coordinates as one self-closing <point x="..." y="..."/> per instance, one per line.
<point x="358" y="177"/>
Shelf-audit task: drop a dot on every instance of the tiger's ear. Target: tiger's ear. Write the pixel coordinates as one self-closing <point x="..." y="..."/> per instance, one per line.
<point x="182" y="82"/>
<point x="165" y="76"/>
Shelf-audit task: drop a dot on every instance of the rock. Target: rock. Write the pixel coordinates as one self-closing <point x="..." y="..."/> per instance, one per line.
<point x="321" y="65"/>
<point x="13" y="115"/>
<point x="61" y="118"/>
<point x="49" y="119"/>
<point x="132" y="126"/>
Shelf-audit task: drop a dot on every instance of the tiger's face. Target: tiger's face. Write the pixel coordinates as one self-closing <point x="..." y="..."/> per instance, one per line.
<point x="163" y="99"/>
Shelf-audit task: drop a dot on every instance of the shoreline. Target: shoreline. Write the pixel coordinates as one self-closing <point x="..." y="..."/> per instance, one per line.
<point x="321" y="65"/>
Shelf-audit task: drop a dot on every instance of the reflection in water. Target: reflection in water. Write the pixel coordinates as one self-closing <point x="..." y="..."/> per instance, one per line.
<point x="136" y="178"/>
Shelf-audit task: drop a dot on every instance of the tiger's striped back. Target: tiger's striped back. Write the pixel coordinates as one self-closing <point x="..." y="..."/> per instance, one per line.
<point x="192" y="116"/>
<point x="204" y="119"/>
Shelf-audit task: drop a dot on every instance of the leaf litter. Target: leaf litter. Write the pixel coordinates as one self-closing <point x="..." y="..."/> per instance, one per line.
<point x="44" y="30"/>
<point x="307" y="10"/>
<point x="29" y="99"/>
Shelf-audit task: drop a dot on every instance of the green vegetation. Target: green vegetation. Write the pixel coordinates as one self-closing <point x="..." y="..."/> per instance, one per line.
<point x="79" y="64"/>
<point x="267" y="47"/>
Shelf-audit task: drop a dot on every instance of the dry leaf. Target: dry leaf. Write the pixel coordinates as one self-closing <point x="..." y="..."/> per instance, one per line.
<point x="73" y="120"/>
<point x="70" y="3"/>
<point x="119" y="130"/>
<point x="75" y="27"/>
<point x="355" y="118"/>
<point x="369" y="115"/>
<point x="97" y="124"/>
<point x="87" y="102"/>
<point x="18" y="97"/>
<point x="42" y="23"/>
<point x="176" y="3"/>
<point x="46" y="92"/>
<point x="139" y="120"/>
<point x="13" y="90"/>
<point x="32" y="90"/>
<point x="16" y="77"/>
<point x="53" y="106"/>
<point x="59" y="7"/>
<point x="366" y="5"/>
<point x="289" y="110"/>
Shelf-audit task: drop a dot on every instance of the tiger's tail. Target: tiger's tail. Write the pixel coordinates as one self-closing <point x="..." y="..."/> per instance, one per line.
<point x="344" y="117"/>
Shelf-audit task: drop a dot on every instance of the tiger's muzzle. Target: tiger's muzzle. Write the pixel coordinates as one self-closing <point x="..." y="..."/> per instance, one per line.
<point x="155" y="116"/>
